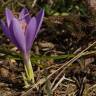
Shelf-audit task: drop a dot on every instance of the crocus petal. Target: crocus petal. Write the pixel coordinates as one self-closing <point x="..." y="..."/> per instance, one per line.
<point x="39" y="19"/>
<point x="5" y="28"/>
<point x="19" y="34"/>
<point x="9" y="16"/>
<point x="24" y="15"/>
<point x="30" y="33"/>
<point x="12" y="37"/>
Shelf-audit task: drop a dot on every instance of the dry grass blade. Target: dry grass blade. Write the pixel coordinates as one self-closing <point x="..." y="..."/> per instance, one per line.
<point x="63" y="78"/>
<point x="85" y="53"/>
<point x="91" y="87"/>
<point x="67" y="64"/>
<point x="89" y="53"/>
<point x="73" y="59"/>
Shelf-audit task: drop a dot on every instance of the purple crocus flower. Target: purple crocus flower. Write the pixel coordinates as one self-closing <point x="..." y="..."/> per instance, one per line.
<point x="22" y="31"/>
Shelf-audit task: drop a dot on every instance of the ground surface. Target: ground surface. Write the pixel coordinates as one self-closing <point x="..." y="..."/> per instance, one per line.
<point x="60" y="40"/>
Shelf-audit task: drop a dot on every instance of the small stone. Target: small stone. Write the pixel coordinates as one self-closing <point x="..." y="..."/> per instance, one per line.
<point x="4" y="72"/>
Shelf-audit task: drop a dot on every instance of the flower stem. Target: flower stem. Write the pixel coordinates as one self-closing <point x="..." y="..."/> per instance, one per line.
<point x="28" y="68"/>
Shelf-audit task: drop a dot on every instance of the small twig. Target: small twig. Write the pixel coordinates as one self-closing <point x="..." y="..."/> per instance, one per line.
<point x="34" y="3"/>
<point x="63" y="78"/>
<point x="58" y="83"/>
